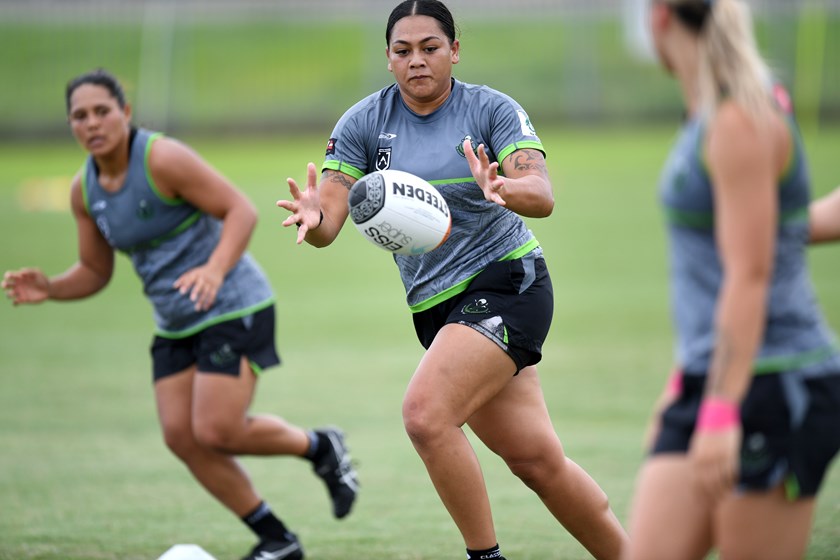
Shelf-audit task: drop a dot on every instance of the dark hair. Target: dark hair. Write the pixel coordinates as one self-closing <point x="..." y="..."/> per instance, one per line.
<point x="432" y="8"/>
<point x="98" y="77"/>
<point x="695" y="13"/>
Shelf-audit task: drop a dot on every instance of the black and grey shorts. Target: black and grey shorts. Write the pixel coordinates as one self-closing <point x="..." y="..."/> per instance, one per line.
<point x="219" y="348"/>
<point x="510" y="302"/>
<point x="791" y="430"/>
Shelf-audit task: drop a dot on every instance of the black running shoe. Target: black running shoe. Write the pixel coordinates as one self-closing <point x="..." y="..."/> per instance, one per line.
<point x="337" y="472"/>
<point x="289" y="549"/>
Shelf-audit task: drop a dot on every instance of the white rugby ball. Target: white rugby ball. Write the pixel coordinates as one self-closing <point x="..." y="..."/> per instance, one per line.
<point x="399" y="212"/>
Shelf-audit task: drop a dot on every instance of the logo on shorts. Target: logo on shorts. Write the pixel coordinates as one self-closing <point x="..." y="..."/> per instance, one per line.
<point x="477" y="306"/>
<point x="755" y="456"/>
<point x="224" y="356"/>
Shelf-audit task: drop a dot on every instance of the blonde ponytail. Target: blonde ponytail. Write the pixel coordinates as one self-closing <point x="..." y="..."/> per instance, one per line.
<point x="730" y="63"/>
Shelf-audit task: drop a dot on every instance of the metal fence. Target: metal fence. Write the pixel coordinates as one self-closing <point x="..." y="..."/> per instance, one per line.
<point x="233" y="65"/>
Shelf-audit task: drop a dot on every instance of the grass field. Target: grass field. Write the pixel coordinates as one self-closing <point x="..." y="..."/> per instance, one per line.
<point x="84" y="473"/>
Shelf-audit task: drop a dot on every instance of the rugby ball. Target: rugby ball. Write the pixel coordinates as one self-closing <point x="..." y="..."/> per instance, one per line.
<point x="399" y="212"/>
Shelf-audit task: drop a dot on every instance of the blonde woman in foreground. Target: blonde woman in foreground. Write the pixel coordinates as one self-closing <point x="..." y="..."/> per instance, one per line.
<point x="750" y="428"/>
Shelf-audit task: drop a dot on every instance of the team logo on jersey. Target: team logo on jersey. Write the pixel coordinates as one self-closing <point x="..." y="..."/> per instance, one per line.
<point x="525" y="124"/>
<point x="104" y="228"/>
<point x="331" y="146"/>
<point x="145" y="210"/>
<point x="460" y="147"/>
<point x="383" y="159"/>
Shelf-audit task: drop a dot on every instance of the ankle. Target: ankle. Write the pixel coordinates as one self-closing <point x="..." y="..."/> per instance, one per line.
<point x="493" y="553"/>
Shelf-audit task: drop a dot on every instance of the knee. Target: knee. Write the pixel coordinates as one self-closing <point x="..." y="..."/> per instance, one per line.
<point x="179" y="441"/>
<point x="215" y="436"/>
<point x="534" y="472"/>
<point x="421" y="425"/>
<point x="540" y="469"/>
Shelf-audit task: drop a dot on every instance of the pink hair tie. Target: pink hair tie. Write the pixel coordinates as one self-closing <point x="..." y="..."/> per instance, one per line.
<point x="717" y="414"/>
<point x="675" y="383"/>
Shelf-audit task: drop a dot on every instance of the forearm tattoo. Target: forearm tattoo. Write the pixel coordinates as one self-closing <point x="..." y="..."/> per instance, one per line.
<point x="337" y="177"/>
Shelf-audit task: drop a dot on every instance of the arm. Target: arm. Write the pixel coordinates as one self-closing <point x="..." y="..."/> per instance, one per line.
<point x="89" y="275"/>
<point x="743" y="164"/>
<point x="825" y="218"/>
<point x="321" y="210"/>
<point x="180" y="172"/>
<point x="525" y="189"/>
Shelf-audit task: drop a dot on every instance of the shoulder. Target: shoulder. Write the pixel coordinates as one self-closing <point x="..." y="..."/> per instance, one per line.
<point x="78" y="198"/>
<point x="735" y="132"/>
<point x="483" y="93"/>
<point x="163" y="152"/>
<point x="372" y="103"/>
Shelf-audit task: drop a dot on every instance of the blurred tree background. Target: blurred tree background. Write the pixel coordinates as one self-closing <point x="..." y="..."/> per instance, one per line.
<point x="275" y="66"/>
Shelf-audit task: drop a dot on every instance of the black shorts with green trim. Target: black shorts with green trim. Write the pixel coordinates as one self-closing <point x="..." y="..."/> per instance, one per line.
<point x="791" y="430"/>
<point x="219" y="348"/>
<point x="510" y="302"/>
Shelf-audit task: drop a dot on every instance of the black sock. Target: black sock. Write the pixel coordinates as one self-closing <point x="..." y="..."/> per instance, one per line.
<point x="490" y="553"/>
<point x="319" y="444"/>
<point x="264" y="524"/>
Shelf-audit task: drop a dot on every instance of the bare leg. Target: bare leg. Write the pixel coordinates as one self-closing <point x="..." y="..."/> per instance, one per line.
<point x="669" y="519"/>
<point x="763" y="525"/>
<point x="203" y="418"/>
<point x="460" y="372"/>
<point x="516" y="425"/>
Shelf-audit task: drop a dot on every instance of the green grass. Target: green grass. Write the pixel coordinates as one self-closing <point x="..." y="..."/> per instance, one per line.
<point x="84" y="473"/>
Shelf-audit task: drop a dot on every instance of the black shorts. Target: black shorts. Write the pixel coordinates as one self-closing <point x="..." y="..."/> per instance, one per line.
<point x="219" y="348"/>
<point x="510" y="302"/>
<point x="791" y="430"/>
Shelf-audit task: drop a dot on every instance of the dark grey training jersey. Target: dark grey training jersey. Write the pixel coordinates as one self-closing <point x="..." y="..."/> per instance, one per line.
<point x="164" y="238"/>
<point x="381" y="132"/>
<point x="796" y="338"/>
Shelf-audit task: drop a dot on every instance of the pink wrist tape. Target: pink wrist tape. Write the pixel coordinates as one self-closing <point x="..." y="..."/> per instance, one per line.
<point x="675" y="383"/>
<point x="717" y="414"/>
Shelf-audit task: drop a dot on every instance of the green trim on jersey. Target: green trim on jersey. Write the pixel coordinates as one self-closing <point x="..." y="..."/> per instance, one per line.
<point x="789" y="172"/>
<point x="85" y="201"/>
<point x="193" y="218"/>
<point x="163" y="198"/>
<point x="794" y="361"/>
<point x="702" y="220"/>
<point x="461" y="286"/>
<point x="518" y="146"/>
<point x="342" y="167"/>
<point x="452" y="181"/>
<point x="174" y="335"/>
<point x="785" y="178"/>
<point x="706" y="220"/>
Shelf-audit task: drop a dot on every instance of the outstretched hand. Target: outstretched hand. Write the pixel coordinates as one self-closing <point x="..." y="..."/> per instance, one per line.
<point x="28" y="285"/>
<point x="485" y="173"/>
<point x="305" y="206"/>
